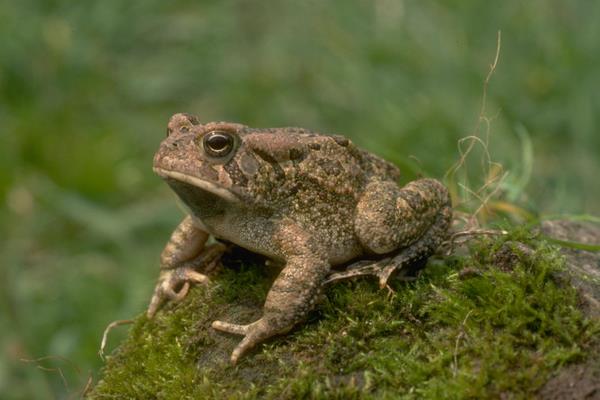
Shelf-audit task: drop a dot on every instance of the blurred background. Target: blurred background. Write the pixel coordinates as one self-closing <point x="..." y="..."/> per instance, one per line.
<point x="86" y="90"/>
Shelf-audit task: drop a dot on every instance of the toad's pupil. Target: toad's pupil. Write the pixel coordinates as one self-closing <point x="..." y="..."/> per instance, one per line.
<point x="218" y="142"/>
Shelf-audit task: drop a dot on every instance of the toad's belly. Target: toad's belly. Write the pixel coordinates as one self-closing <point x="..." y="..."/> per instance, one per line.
<point x="258" y="233"/>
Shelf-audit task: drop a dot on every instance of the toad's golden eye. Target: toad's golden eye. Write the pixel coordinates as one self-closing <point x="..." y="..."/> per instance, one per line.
<point x="218" y="143"/>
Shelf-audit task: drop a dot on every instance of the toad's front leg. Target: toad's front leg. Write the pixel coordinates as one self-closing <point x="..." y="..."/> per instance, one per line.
<point x="292" y="295"/>
<point x="182" y="256"/>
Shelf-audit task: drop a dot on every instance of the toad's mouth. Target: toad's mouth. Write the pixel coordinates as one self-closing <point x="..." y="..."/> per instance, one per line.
<point x="199" y="183"/>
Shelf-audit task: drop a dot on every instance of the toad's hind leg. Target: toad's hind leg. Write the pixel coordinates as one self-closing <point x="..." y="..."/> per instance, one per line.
<point x="408" y="224"/>
<point x="383" y="268"/>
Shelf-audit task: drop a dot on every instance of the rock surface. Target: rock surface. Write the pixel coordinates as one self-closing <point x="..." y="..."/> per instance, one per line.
<point x="579" y="381"/>
<point x="510" y="328"/>
<point x="583" y="266"/>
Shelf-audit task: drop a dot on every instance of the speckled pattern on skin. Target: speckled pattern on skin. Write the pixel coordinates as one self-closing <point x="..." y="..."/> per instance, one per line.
<point x="306" y="200"/>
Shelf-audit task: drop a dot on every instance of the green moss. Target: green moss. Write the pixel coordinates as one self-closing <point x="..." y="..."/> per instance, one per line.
<point x="443" y="335"/>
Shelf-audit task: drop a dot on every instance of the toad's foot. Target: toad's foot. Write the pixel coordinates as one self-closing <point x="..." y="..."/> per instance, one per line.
<point x="253" y="333"/>
<point x="174" y="284"/>
<point x="381" y="269"/>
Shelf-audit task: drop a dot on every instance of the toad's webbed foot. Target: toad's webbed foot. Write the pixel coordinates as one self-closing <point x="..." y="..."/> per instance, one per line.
<point x="173" y="284"/>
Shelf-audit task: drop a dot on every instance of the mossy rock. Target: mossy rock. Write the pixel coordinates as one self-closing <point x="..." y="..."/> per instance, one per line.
<point x="465" y="328"/>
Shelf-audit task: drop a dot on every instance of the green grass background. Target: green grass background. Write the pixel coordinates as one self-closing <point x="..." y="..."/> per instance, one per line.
<point x="86" y="89"/>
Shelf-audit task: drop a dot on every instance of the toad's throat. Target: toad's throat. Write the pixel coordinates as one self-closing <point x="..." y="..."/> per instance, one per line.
<point x="210" y="187"/>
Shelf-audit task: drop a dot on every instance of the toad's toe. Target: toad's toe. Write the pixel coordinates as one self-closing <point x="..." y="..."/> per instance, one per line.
<point x="230" y="328"/>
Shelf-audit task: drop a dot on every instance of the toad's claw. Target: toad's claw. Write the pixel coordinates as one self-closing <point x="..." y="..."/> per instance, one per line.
<point x="254" y="334"/>
<point x="174" y="284"/>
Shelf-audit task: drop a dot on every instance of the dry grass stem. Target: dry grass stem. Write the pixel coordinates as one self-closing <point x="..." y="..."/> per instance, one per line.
<point x="463" y="193"/>
<point x="461" y="237"/>
<point x="457" y="342"/>
<point x="58" y="370"/>
<point x="110" y="327"/>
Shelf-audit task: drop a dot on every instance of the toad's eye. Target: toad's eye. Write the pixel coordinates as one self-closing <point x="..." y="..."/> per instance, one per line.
<point x="218" y="143"/>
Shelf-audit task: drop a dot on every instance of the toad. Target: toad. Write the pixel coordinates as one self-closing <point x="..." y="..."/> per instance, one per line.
<point x="306" y="200"/>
